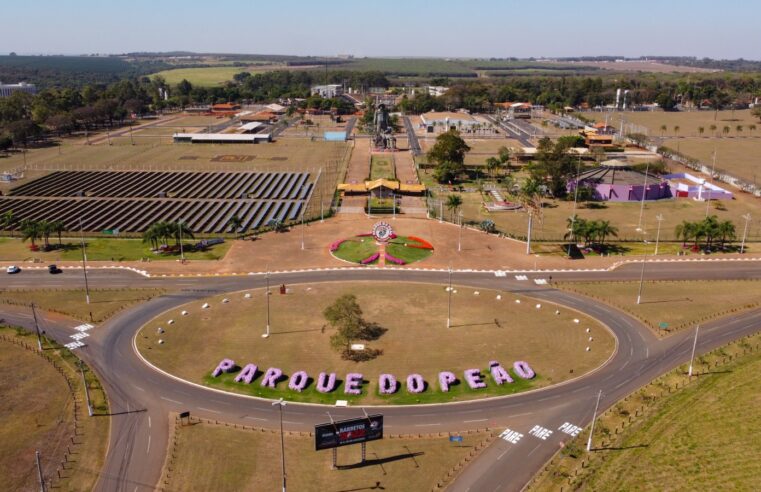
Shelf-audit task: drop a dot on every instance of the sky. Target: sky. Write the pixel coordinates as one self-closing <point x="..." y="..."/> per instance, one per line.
<point x="409" y="28"/>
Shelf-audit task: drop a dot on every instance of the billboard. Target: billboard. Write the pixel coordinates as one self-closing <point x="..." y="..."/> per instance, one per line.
<point x="345" y="432"/>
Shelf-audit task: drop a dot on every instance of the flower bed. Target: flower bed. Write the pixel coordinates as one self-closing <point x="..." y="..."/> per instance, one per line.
<point x="370" y="259"/>
<point x="394" y="259"/>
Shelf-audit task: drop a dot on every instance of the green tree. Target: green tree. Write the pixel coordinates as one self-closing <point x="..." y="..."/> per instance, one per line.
<point x="454" y="202"/>
<point x="726" y="231"/>
<point x="8" y="220"/>
<point x="30" y="229"/>
<point x="448" y="153"/>
<point x="492" y="165"/>
<point x="58" y="227"/>
<point x="46" y="229"/>
<point x="346" y="316"/>
<point x="235" y="224"/>
<point x="701" y="130"/>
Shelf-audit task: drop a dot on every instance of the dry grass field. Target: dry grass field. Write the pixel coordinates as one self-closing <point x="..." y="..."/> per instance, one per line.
<point x="738" y="156"/>
<point x="37" y="412"/>
<point x="212" y="457"/>
<point x="417" y="340"/>
<point x="680" y="304"/>
<point x="212" y="76"/>
<point x="72" y="302"/>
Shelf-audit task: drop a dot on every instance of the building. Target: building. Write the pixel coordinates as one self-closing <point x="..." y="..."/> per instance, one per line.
<point x="222" y="138"/>
<point x="615" y="181"/>
<point x="225" y="108"/>
<point x="328" y="91"/>
<point x="520" y="111"/>
<point x="437" y="90"/>
<point x="685" y="185"/>
<point x="7" y="89"/>
<point x="446" y="120"/>
<point x="275" y="108"/>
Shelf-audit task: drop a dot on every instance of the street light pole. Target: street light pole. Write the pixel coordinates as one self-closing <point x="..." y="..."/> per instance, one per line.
<point x="449" y="301"/>
<point x="37" y="328"/>
<point x="459" y="238"/>
<point x="641" y="279"/>
<point x="594" y="417"/>
<point x="84" y="260"/>
<point x="694" y="345"/>
<point x="87" y="390"/>
<point x="39" y="471"/>
<point x="441" y="211"/>
<point x="659" y="218"/>
<point x="644" y="193"/>
<point x="281" y="403"/>
<point x="745" y="232"/>
<point x="302" y="230"/>
<point x="267" y="279"/>
<point x="713" y="167"/>
<point x="182" y="251"/>
<point x="528" y="239"/>
<point x="575" y="199"/>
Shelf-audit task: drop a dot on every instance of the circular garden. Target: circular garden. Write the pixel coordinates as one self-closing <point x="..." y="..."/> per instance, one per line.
<point x="363" y="249"/>
<point x="398" y="352"/>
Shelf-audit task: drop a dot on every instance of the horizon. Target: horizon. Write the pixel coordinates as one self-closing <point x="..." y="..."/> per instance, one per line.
<point x="422" y="29"/>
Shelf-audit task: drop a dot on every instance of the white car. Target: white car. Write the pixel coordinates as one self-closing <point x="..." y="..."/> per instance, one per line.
<point x="12" y="269"/>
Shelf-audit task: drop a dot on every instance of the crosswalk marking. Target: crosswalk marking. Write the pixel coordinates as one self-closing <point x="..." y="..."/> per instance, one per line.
<point x="521" y="277"/>
<point x="500" y="273"/>
<point x="540" y="281"/>
<point x="74" y="345"/>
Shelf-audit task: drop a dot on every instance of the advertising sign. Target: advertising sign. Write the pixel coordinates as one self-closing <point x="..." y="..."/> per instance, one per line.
<point x="345" y="432"/>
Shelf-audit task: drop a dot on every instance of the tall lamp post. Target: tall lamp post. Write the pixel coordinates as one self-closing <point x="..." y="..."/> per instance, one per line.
<point x="182" y="251"/>
<point x="84" y="261"/>
<point x="594" y="417"/>
<point x="659" y="218"/>
<point x="267" y="293"/>
<point x="575" y="199"/>
<point x="459" y="238"/>
<point x="745" y="232"/>
<point x="644" y="194"/>
<point x="281" y="403"/>
<point x="449" y="300"/>
<point x="641" y="279"/>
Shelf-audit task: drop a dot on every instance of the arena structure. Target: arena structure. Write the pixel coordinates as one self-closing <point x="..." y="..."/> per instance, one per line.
<point x="616" y="181"/>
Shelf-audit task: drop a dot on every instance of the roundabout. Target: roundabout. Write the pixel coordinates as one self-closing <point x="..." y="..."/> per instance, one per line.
<point x="499" y="343"/>
<point x="381" y="247"/>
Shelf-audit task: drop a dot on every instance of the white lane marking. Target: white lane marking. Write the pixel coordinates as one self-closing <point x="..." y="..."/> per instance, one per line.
<point x="478" y="420"/>
<point x="532" y="451"/>
<point x="292" y="422"/>
<point x="148" y="451"/>
<point x="208" y="410"/>
<point x="425" y="425"/>
<point x="647" y="352"/>
<point x="221" y="402"/>
<point x="173" y="401"/>
<point x="472" y="411"/>
<point x="149" y="421"/>
<point x="138" y="387"/>
<point x="257" y="418"/>
<point x="503" y="453"/>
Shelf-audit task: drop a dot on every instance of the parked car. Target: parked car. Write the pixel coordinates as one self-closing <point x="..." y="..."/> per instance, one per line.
<point x="53" y="269"/>
<point x="12" y="269"/>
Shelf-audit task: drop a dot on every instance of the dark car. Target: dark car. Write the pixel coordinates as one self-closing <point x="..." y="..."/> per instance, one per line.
<point x="53" y="269"/>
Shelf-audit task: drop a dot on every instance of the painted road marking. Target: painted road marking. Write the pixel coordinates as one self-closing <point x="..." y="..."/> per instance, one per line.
<point x="511" y="436"/>
<point x="291" y="422"/>
<point x="540" y="432"/>
<point x="169" y="399"/>
<point x="521" y="277"/>
<point x="540" y="281"/>
<point x="469" y="421"/>
<point x="503" y="453"/>
<point x="208" y="410"/>
<point x="425" y="425"/>
<point x="148" y="450"/>
<point x="257" y="418"/>
<point x="79" y="336"/>
<point x="500" y="273"/>
<point x="570" y="429"/>
<point x="84" y="327"/>
<point x="74" y="345"/>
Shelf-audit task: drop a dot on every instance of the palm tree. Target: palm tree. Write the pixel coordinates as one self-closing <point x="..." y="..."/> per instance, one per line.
<point x="492" y="165"/>
<point x="725" y="130"/>
<point x="604" y="229"/>
<point x="45" y="231"/>
<point x="684" y="231"/>
<point x="663" y="130"/>
<point x="235" y="223"/>
<point x="739" y="129"/>
<point x="710" y="228"/>
<point x="712" y="128"/>
<point x="180" y="230"/>
<point x="150" y="236"/>
<point x="58" y="227"/>
<point x="8" y="221"/>
<point x="752" y="127"/>
<point x="701" y="130"/>
<point x="676" y="130"/>
<point x="726" y="231"/>
<point x="454" y="202"/>
<point x="30" y="229"/>
<point x="575" y="227"/>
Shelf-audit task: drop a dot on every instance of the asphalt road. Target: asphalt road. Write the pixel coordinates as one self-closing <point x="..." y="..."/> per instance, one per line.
<point x="142" y="398"/>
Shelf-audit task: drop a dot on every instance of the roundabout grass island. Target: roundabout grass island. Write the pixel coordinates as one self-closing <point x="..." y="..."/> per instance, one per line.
<point x="498" y="344"/>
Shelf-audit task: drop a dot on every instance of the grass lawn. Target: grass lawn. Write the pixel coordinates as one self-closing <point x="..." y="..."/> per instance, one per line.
<point x="416" y="341"/>
<point x="681" y="304"/>
<point x="214" y="76"/>
<point x="356" y="249"/>
<point x="396" y="247"/>
<point x="703" y="437"/>
<point x="37" y="414"/>
<point x="382" y="166"/>
<point x="104" y="303"/>
<point x="103" y="249"/>
<point x="212" y="457"/>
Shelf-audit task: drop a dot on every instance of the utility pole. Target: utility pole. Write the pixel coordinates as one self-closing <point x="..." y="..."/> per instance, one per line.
<point x="459" y="238"/>
<point x="39" y="471"/>
<point x="641" y="278"/>
<point x="528" y="241"/>
<point x="182" y="251"/>
<point x="694" y="346"/>
<point x="713" y="167"/>
<point x="594" y="418"/>
<point x="37" y="328"/>
<point x="302" y="231"/>
<point x="441" y="211"/>
<point x="267" y="280"/>
<point x="87" y="390"/>
<point x="281" y="403"/>
<point x="84" y="260"/>
<point x="745" y="232"/>
<point x="575" y="198"/>
<point x="449" y="301"/>
<point x="659" y="218"/>
<point x="644" y="193"/>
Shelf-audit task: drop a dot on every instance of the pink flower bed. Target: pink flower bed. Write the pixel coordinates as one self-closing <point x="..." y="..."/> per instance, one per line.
<point x="394" y="259"/>
<point x="335" y="245"/>
<point x="370" y="259"/>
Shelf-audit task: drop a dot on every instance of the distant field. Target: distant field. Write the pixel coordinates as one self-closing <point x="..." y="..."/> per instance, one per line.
<point x="635" y="66"/>
<point x="211" y="76"/>
<point x="738" y="156"/>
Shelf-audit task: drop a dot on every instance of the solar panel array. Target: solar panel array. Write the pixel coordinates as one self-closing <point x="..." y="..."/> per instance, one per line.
<point x="133" y="200"/>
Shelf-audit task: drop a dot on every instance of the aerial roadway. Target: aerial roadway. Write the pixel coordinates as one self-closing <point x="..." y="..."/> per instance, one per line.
<point x="533" y="424"/>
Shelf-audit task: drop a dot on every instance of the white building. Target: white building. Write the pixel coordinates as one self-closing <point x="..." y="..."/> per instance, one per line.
<point x="437" y="90"/>
<point x="447" y="120"/>
<point x="7" y="89"/>
<point x="328" y="91"/>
